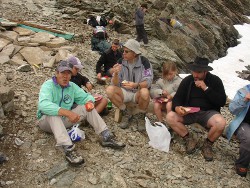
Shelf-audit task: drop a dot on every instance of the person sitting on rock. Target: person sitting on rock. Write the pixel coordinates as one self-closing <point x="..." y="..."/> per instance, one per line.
<point x="240" y="126"/>
<point x="80" y="80"/>
<point x="62" y="104"/>
<point x="206" y="92"/>
<point x="132" y="78"/>
<point x="108" y="59"/>
<point x="164" y="89"/>
<point x="99" y="40"/>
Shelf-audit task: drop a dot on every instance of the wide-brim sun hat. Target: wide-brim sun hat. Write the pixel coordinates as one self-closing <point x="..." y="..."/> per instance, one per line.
<point x="75" y="62"/>
<point x="133" y="45"/>
<point x="200" y="64"/>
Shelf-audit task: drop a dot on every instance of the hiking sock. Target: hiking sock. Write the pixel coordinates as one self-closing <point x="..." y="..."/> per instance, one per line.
<point x="209" y="142"/>
<point x="186" y="136"/>
<point x="122" y="107"/>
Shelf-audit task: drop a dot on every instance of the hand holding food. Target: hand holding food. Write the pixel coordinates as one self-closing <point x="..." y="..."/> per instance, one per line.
<point x="89" y="106"/>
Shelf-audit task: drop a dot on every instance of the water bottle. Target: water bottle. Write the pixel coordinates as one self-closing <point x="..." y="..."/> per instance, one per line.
<point x="109" y="106"/>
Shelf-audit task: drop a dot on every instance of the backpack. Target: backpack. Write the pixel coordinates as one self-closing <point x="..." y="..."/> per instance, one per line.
<point x="102" y="46"/>
<point x="100" y="32"/>
<point x="92" y="21"/>
<point x="103" y="21"/>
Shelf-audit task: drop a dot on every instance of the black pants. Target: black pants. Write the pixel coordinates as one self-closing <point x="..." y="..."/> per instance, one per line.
<point x="243" y="135"/>
<point x="141" y="34"/>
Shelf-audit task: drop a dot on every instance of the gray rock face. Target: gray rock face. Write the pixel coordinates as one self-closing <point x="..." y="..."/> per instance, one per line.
<point x="207" y="26"/>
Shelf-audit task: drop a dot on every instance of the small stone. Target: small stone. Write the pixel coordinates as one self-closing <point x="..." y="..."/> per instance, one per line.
<point x="209" y="171"/>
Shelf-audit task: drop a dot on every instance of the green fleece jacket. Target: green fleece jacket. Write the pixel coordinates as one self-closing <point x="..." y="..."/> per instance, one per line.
<point x="52" y="97"/>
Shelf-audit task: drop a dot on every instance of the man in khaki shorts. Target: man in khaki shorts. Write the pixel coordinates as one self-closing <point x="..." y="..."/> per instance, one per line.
<point x="132" y="78"/>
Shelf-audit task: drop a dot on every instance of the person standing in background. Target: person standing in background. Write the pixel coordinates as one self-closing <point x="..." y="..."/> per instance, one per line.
<point x="139" y="23"/>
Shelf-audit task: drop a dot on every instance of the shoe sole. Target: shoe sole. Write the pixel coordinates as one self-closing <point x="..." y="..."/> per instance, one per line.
<point x="82" y="163"/>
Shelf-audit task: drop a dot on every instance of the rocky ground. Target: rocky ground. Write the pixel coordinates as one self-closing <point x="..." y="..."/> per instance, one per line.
<point x="37" y="163"/>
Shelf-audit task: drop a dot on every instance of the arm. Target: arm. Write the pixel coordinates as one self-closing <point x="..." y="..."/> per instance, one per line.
<point x="86" y="83"/>
<point x="99" y="63"/>
<point x="72" y="116"/>
<point x="147" y="74"/>
<point x="46" y="105"/>
<point x="81" y="97"/>
<point x="156" y="90"/>
<point x="240" y="101"/>
<point x="216" y="93"/>
<point x="181" y="93"/>
<point x="115" y="78"/>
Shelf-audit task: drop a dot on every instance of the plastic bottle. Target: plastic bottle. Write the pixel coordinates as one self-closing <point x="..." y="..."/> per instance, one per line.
<point x="109" y="106"/>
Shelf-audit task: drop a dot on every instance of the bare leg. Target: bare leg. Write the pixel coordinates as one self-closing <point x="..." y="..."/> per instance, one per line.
<point x="216" y="124"/>
<point x="100" y="105"/>
<point x="142" y="98"/>
<point x="115" y="94"/>
<point x="169" y="106"/>
<point x="175" y="122"/>
<point x="157" y="110"/>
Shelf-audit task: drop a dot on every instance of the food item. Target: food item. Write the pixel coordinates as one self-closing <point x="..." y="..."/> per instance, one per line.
<point x="103" y="78"/>
<point x="191" y="109"/>
<point x="124" y="82"/>
<point x="186" y="109"/>
<point x="165" y="100"/>
<point x="89" y="106"/>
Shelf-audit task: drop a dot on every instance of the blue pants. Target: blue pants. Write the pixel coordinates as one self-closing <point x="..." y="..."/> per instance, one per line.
<point x="141" y="34"/>
<point x="243" y="135"/>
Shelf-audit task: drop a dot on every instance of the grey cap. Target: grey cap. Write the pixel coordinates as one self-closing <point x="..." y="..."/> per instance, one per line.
<point x="75" y="62"/>
<point x="63" y="66"/>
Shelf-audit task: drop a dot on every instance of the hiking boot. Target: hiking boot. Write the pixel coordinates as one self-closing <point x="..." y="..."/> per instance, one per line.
<point x="207" y="151"/>
<point x="74" y="158"/>
<point x="140" y="118"/>
<point x="241" y="170"/>
<point x="190" y="145"/>
<point x="112" y="143"/>
<point x="126" y="118"/>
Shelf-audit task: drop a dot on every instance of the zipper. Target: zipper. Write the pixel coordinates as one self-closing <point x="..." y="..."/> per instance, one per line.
<point x="61" y="98"/>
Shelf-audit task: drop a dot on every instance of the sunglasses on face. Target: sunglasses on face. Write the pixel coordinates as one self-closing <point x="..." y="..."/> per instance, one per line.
<point x="127" y="51"/>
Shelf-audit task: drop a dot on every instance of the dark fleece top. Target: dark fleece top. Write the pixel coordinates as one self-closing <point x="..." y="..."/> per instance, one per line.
<point x="108" y="59"/>
<point x="79" y="80"/>
<point x="190" y="95"/>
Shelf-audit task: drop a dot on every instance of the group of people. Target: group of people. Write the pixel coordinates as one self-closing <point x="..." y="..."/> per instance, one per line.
<point x="63" y="103"/>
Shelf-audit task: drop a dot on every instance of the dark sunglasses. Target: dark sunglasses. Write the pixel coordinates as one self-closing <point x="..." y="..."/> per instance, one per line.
<point x="127" y="51"/>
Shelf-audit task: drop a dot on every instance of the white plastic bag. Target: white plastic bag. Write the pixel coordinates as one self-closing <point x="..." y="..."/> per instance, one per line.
<point x="76" y="134"/>
<point x="159" y="135"/>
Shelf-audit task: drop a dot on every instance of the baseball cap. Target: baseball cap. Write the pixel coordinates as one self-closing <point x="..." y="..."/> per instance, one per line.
<point x="63" y="66"/>
<point x="75" y="62"/>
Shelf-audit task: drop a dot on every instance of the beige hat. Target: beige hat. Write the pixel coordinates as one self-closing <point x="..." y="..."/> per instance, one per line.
<point x="133" y="45"/>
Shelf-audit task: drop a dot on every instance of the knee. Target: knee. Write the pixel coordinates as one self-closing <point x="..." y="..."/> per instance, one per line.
<point x="144" y="93"/>
<point x="110" y="91"/>
<point x="220" y="123"/>
<point x="170" y="117"/>
<point x="105" y="101"/>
